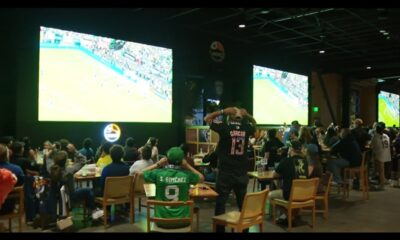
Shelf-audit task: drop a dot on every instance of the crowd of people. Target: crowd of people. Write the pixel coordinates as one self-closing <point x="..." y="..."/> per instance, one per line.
<point x="293" y="154"/>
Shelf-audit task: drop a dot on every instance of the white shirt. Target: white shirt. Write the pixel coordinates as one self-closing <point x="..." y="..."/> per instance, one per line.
<point x="139" y="166"/>
<point x="381" y="147"/>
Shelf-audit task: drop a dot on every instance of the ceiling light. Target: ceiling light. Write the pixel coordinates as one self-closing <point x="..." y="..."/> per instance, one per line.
<point x="242" y="25"/>
<point x="264" y="11"/>
<point x="368" y="67"/>
<point x="387" y="37"/>
<point x="321" y="51"/>
<point x="398" y="79"/>
<point x="385" y="33"/>
<point x="382" y="31"/>
<point x="381" y="80"/>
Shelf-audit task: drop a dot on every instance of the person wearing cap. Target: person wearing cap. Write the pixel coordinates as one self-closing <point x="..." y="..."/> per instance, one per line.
<point x="349" y="155"/>
<point x="233" y="161"/>
<point x="172" y="184"/>
<point x="380" y="145"/>
<point x="360" y="134"/>
<point x="295" y="166"/>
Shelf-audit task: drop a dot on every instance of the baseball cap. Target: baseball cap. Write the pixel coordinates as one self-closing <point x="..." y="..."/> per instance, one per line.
<point x="296" y="145"/>
<point x="175" y="155"/>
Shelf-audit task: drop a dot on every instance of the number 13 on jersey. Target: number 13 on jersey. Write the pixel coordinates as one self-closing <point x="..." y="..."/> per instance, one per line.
<point x="237" y="147"/>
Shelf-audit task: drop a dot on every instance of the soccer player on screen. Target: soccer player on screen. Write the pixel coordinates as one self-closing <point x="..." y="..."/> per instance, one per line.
<point x="232" y="154"/>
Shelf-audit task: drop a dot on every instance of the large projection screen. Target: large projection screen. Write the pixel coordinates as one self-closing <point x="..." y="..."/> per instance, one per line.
<point x="279" y="97"/>
<point x="388" y="108"/>
<point x="87" y="78"/>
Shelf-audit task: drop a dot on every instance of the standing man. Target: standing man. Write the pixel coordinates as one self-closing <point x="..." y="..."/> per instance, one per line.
<point x="232" y="154"/>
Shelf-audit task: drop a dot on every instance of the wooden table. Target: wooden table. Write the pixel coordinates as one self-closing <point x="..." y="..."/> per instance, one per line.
<point x="199" y="191"/>
<point x="198" y="162"/>
<point x="266" y="175"/>
<point x="200" y="155"/>
<point x="79" y="178"/>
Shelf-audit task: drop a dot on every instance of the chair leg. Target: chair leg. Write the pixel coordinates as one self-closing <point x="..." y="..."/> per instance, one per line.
<point x="254" y="185"/>
<point x="326" y="208"/>
<point x="197" y="220"/>
<point x="105" y="215"/>
<point x="20" y="223"/>
<point x="261" y="225"/>
<point x="289" y="218"/>
<point x="273" y="213"/>
<point x="214" y="226"/>
<point x="140" y="204"/>
<point x="131" y="212"/>
<point x="10" y="225"/>
<point x="366" y="182"/>
<point x="313" y="216"/>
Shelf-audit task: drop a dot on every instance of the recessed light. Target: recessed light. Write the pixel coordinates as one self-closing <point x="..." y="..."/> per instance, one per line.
<point x="242" y="25"/>
<point x="264" y="12"/>
<point x="382" y="31"/>
<point x="368" y="67"/>
<point x="321" y="51"/>
<point x="385" y="33"/>
<point x="398" y="79"/>
<point x="381" y="80"/>
<point x="387" y="37"/>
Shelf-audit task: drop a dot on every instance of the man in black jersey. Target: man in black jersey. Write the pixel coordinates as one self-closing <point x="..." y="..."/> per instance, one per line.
<point x="232" y="155"/>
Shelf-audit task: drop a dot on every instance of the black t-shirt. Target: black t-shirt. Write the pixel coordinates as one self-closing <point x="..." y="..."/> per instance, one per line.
<point x="24" y="163"/>
<point x="349" y="150"/>
<point x="291" y="168"/>
<point x="361" y="136"/>
<point x="272" y="146"/>
<point x="232" y="146"/>
<point x="131" y="154"/>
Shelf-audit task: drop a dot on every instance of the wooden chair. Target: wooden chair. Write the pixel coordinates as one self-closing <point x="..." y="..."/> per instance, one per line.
<point x="252" y="213"/>
<point x="326" y="180"/>
<point x="302" y="195"/>
<point x="117" y="190"/>
<point x="362" y="172"/>
<point x="16" y="193"/>
<point x="154" y="219"/>
<point x="138" y="191"/>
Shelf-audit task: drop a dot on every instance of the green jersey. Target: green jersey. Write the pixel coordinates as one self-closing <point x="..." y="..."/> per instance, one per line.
<point x="171" y="185"/>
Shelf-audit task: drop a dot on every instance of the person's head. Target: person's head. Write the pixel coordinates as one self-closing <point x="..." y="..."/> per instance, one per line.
<point x="57" y="145"/>
<point x="47" y="144"/>
<point x="358" y="123"/>
<point x="129" y="142"/>
<point x="305" y="135"/>
<point x="175" y="156"/>
<point x="330" y="132"/>
<point x="3" y="153"/>
<point x="153" y="141"/>
<point x="146" y="152"/>
<point x="295" y="147"/>
<point x="63" y="144"/>
<point x="87" y="143"/>
<point x="380" y="127"/>
<point x="7" y="140"/>
<point x="60" y="158"/>
<point x="106" y="147"/>
<point x="17" y="148"/>
<point x="26" y="141"/>
<point x="317" y="123"/>
<point x="117" y="153"/>
<point x="271" y="133"/>
<point x="296" y="124"/>
<point x="237" y="116"/>
<point x="345" y="133"/>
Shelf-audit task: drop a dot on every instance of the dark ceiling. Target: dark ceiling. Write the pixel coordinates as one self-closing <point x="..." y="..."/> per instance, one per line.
<point x="352" y="39"/>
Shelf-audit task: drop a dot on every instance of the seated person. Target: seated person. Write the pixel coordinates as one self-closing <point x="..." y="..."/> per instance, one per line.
<point x="270" y="151"/>
<point x="9" y="204"/>
<point x="295" y="166"/>
<point x="116" y="169"/>
<point x="210" y="174"/>
<point x="7" y="182"/>
<point x="105" y="157"/>
<point x="87" y="149"/>
<point x="63" y="175"/>
<point x="172" y="184"/>
<point x="18" y="158"/>
<point x="152" y="142"/>
<point x="145" y="162"/>
<point x="131" y="152"/>
<point x="331" y="137"/>
<point x="349" y="155"/>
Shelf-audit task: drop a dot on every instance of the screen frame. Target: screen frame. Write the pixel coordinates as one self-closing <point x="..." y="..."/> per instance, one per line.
<point x="309" y="88"/>
<point x="173" y="67"/>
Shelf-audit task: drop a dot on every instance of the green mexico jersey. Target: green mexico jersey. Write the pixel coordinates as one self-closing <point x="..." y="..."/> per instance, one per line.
<point x="171" y="185"/>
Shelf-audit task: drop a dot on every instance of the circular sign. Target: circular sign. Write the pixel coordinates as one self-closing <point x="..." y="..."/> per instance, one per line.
<point x="112" y="132"/>
<point x="217" y="51"/>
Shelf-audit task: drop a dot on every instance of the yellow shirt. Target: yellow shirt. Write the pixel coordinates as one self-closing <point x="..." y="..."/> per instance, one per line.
<point x="104" y="161"/>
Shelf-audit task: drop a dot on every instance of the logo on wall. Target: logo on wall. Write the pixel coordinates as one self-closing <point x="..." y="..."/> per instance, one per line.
<point x="217" y="51"/>
<point x="112" y="132"/>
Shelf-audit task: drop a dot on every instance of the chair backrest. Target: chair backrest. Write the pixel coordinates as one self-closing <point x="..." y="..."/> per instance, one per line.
<point x="138" y="184"/>
<point x="253" y="206"/>
<point x="303" y="190"/>
<point x="16" y="193"/>
<point x="154" y="219"/>
<point x="364" y="160"/>
<point x="118" y="187"/>
<point x="326" y="181"/>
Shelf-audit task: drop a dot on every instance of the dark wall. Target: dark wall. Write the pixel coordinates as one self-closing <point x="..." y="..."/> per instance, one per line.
<point x="191" y="58"/>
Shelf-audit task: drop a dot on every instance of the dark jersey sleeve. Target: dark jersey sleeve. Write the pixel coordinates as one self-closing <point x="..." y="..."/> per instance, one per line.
<point x="218" y="126"/>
